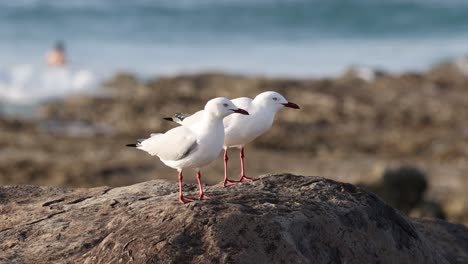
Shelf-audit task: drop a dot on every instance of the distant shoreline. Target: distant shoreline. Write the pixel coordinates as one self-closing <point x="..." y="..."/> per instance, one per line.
<point x="457" y="66"/>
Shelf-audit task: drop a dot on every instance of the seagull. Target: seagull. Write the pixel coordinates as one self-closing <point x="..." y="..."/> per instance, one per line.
<point x="241" y="130"/>
<point x="192" y="147"/>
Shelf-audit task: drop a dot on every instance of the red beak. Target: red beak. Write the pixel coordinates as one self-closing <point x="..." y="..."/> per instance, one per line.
<point x="291" y="105"/>
<point x="240" y="111"/>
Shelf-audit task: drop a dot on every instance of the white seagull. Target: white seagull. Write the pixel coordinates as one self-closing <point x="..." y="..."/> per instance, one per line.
<point x="240" y="130"/>
<point x="192" y="147"/>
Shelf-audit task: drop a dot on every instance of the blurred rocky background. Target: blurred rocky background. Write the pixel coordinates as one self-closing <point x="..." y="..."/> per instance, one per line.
<point x="405" y="137"/>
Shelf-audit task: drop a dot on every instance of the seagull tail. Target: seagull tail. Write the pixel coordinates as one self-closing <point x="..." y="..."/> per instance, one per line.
<point x="138" y="144"/>
<point x="178" y="118"/>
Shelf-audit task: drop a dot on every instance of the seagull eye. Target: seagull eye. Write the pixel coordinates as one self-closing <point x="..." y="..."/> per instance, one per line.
<point x="275" y="99"/>
<point x="225" y="105"/>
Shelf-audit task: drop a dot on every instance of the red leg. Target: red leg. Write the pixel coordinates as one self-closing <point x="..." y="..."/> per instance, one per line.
<point x="226" y="180"/>
<point x="243" y="178"/>
<point x="182" y="199"/>
<point x="201" y="194"/>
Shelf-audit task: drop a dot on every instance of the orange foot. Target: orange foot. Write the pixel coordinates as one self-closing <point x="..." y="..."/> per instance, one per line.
<point x="203" y="197"/>
<point x="184" y="199"/>
<point x="228" y="182"/>
<point x="244" y="178"/>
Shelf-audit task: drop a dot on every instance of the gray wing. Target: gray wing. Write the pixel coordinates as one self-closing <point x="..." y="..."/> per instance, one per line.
<point x="190" y="121"/>
<point x="175" y="144"/>
<point x="241" y="102"/>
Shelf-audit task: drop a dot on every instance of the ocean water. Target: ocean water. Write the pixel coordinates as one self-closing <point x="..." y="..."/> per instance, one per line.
<point x="272" y="37"/>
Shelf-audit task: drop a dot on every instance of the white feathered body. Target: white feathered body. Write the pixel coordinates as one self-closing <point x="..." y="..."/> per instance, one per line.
<point x="187" y="147"/>
<point x="239" y="129"/>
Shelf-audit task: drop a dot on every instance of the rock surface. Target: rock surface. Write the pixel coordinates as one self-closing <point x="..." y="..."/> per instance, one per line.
<point x="280" y="218"/>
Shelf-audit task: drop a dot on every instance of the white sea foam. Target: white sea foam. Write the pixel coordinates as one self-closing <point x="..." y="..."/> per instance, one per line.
<point x="27" y="84"/>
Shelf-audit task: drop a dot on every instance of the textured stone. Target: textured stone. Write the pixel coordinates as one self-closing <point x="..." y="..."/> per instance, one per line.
<point x="280" y="218"/>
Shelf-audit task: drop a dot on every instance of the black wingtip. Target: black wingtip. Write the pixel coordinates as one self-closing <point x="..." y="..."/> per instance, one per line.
<point x="131" y="145"/>
<point x="168" y="118"/>
<point x="180" y="116"/>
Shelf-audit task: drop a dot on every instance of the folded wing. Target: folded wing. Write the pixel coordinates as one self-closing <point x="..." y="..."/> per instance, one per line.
<point x="175" y="144"/>
<point x="241" y="102"/>
<point x="189" y="121"/>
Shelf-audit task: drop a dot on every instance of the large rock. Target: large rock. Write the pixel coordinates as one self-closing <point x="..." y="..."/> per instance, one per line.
<point x="278" y="219"/>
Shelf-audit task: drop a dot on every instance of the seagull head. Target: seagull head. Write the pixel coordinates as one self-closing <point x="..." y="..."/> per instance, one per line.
<point x="222" y="107"/>
<point x="273" y="101"/>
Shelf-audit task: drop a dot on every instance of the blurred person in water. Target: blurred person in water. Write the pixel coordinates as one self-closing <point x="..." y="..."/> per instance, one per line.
<point x="56" y="57"/>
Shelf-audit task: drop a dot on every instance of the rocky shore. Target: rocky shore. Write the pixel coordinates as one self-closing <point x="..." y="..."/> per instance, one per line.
<point x="350" y="128"/>
<point x="280" y="218"/>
